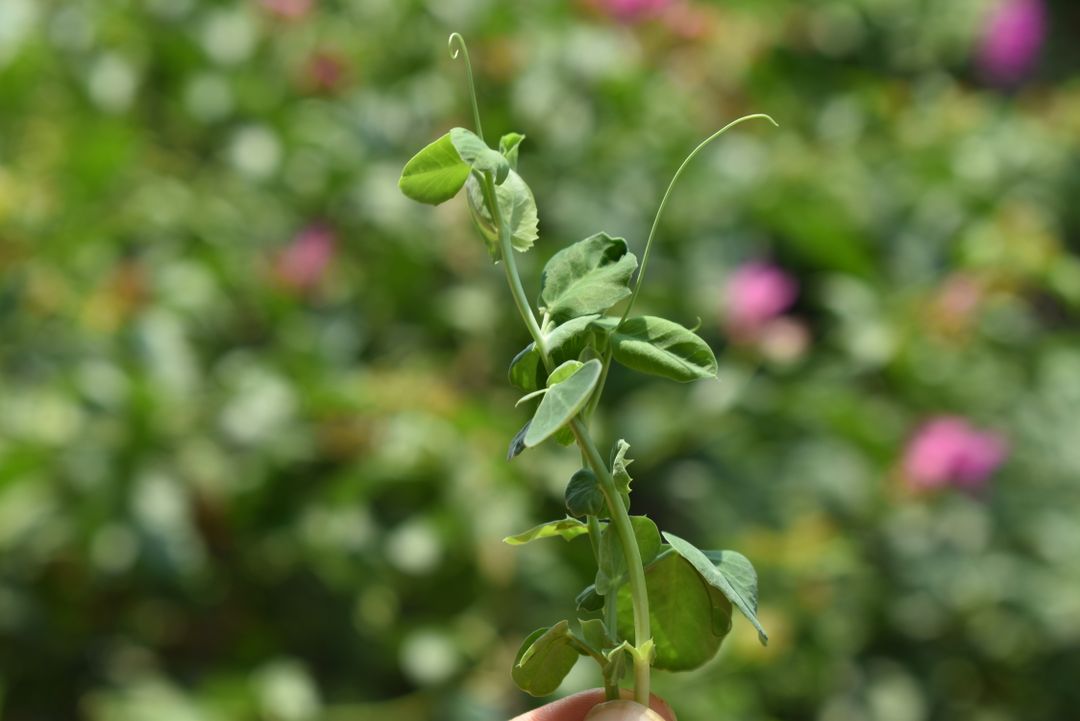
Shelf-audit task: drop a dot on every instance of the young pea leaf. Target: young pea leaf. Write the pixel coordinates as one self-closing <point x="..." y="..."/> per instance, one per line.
<point x="611" y="572"/>
<point x="594" y="634"/>
<point x="544" y="659"/>
<point x="564" y="371"/>
<point x="583" y="496"/>
<point x="563" y="401"/>
<point x="517" y="208"/>
<point x="508" y="146"/>
<point x="689" y="619"/>
<point x="474" y="151"/>
<point x="660" y="347"/>
<point x="589" y="599"/>
<point x="732" y="574"/>
<point x="564" y="343"/>
<point x="619" y="474"/>
<point x="517" y="443"/>
<point x="435" y="174"/>
<point x="587" y="277"/>
<point x="567" y="528"/>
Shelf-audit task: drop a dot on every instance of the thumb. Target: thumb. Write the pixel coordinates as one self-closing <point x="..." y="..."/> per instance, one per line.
<point x="622" y="711"/>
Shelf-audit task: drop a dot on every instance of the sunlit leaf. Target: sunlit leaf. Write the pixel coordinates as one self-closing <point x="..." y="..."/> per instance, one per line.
<point x="562" y="402"/>
<point x="435" y="174"/>
<point x="508" y="146"/>
<point x="564" y="342"/>
<point x="567" y="528"/>
<point x="474" y="151"/>
<point x="518" y="209"/>
<point x="660" y="347"/>
<point x="587" y="277"/>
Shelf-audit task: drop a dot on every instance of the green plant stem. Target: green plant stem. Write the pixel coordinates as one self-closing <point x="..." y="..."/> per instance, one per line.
<point x="619" y="516"/>
<point x="455" y="38"/>
<point x="638" y="594"/>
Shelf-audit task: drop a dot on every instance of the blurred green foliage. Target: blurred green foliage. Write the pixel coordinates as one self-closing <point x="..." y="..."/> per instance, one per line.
<point x="245" y="474"/>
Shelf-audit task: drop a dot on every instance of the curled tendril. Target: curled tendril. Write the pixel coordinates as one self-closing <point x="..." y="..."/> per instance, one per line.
<point x="663" y="201"/>
<point x="457" y="47"/>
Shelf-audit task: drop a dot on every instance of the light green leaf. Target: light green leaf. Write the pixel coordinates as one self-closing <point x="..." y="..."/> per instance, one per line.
<point x="474" y="151"/>
<point x="689" y="619"/>
<point x="568" y="529"/>
<point x="583" y="496"/>
<point x="587" y="277"/>
<point x="660" y="347"/>
<point x="544" y="659"/>
<point x="564" y="371"/>
<point x="508" y="146"/>
<point x="594" y="634"/>
<point x="611" y="571"/>
<point x="619" y="474"/>
<point x="562" y="402"/>
<point x="564" y="343"/>
<point x="435" y="174"/>
<point x="518" y="209"/>
<point x="732" y="574"/>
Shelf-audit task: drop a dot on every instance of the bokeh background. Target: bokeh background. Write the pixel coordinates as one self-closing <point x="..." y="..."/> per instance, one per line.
<point x="253" y="406"/>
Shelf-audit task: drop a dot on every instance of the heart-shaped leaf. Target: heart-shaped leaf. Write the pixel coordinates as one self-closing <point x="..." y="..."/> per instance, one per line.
<point x="611" y="571"/>
<point x="587" y="277"/>
<point x="689" y="619"/>
<point x="474" y="151"/>
<point x="517" y="207"/>
<point x="732" y="574"/>
<point x="435" y="174"/>
<point x="564" y="342"/>
<point x="660" y="347"/>
<point x="544" y="659"/>
<point x="567" y="528"/>
<point x="562" y="402"/>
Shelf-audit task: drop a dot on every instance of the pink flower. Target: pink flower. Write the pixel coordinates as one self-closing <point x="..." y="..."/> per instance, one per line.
<point x="302" y="264"/>
<point x="324" y="71"/>
<point x="634" y="10"/>
<point x="947" y="450"/>
<point x="757" y="293"/>
<point x="1012" y="39"/>
<point x="289" y="9"/>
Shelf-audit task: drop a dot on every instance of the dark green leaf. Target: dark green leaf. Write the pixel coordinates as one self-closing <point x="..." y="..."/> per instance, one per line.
<point x="567" y="528"/>
<point x="587" y="277"/>
<point x="732" y="574"/>
<point x="508" y="146"/>
<point x="518" y="209"/>
<point x="544" y="659"/>
<point x="474" y="151"/>
<point x="688" y="618"/>
<point x="562" y="402"/>
<point x="564" y="342"/>
<point x="583" y="495"/>
<point x="517" y="443"/>
<point x="589" y="599"/>
<point x="435" y="174"/>
<point x="660" y="347"/>
<point x="611" y="571"/>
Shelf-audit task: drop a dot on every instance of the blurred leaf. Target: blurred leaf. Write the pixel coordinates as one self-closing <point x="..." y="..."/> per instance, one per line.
<point x="583" y="496"/>
<point x="731" y="573"/>
<point x="517" y="443"/>
<point x="587" y="277"/>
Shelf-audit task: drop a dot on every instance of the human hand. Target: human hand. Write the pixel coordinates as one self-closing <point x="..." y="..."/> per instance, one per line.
<point x="576" y="707"/>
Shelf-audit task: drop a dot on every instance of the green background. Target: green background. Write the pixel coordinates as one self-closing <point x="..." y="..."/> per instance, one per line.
<point x="222" y="497"/>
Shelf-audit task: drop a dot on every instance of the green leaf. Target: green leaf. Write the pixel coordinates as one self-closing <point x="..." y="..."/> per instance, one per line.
<point x="474" y="151"/>
<point x="594" y="634"/>
<point x="689" y="619"/>
<point x="435" y="174"/>
<point x="564" y="342"/>
<point x="587" y="277"/>
<point x="508" y="146"/>
<point x="611" y="572"/>
<point x="562" y="402"/>
<point x="567" y="528"/>
<point x="589" y="599"/>
<point x="660" y="347"/>
<point x="544" y="659"/>
<point x="619" y="474"/>
<point x="564" y="371"/>
<point x="732" y="574"/>
<point x="517" y="443"/>
<point x="518" y="209"/>
<point x="583" y="496"/>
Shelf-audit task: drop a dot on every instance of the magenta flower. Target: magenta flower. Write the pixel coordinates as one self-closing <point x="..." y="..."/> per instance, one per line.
<point x="302" y="264"/>
<point x="757" y="293"/>
<point x="947" y="450"/>
<point x="289" y="9"/>
<point x="634" y="10"/>
<point x="1012" y="40"/>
